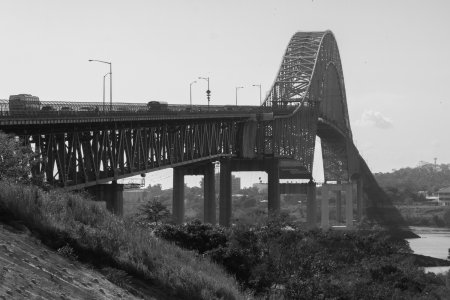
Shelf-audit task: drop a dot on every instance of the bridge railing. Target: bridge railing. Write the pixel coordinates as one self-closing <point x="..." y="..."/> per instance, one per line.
<point x="50" y="109"/>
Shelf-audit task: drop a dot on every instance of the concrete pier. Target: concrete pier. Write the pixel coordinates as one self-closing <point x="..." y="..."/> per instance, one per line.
<point x="311" y="205"/>
<point x="178" y="196"/>
<point x="209" y="192"/>
<point x="349" y="205"/>
<point x="360" y="205"/>
<point x="325" y="209"/>
<point x="225" y="193"/>
<point x="347" y="188"/>
<point x="112" y="194"/>
<point x="273" y="188"/>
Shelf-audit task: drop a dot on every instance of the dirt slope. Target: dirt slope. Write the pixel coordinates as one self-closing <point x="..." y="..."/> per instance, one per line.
<point x="29" y="270"/>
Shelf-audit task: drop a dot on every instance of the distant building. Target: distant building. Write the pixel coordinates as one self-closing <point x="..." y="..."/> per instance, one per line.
<point x="432" y="199"/>
<point x="444" y="196"/>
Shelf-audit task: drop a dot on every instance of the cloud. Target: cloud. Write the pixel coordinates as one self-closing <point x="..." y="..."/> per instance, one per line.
<point x="374" y="118"/>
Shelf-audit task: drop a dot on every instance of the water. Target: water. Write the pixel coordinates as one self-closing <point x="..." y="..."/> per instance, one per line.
<point x="434" y="242"/>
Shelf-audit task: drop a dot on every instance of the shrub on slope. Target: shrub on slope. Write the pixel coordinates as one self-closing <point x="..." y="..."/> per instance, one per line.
<point x="61" y="218"/>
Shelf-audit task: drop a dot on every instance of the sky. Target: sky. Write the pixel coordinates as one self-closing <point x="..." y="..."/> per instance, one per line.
<point x="395" y="57"/>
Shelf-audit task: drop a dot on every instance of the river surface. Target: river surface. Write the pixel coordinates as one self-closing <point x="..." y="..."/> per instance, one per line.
<point x="434" y="242"/>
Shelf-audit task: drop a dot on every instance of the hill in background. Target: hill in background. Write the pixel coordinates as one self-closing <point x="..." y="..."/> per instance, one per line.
<point x="404" y="185"/>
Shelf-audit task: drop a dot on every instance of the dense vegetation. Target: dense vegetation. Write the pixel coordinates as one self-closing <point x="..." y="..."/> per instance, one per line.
<point x="403" y="185"/>
<point x="61" y="219"/>
<point x="274" y="260"/>
<point x="81" y="228"/>
<point x="280" y="260"/>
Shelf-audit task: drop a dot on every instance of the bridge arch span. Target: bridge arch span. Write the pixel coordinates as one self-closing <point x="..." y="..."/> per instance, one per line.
<point x="311" y="80"/>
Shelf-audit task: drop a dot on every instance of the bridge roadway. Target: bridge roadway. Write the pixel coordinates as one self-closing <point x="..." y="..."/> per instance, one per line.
<point x="80" y="147"/>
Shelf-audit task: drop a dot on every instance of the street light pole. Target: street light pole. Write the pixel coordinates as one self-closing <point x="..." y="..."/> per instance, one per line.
<point x="104" y="77"/>
<point x="208" y="92"/>
<point x="237" y="88"/>
<point x="110" y="80"/>
<point x="190" y="92"/>
<point x="260" y="98"/>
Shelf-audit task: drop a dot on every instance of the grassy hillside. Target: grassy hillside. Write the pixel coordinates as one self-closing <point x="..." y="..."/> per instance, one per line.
<point x="30" y="270"/>
<point x="60" y="218"/>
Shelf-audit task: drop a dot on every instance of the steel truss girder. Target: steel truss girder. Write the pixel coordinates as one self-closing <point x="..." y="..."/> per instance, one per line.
<point x="79" y="157"/>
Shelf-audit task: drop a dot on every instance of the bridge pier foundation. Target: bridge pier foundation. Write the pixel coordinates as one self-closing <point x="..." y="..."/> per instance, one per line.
<point x="311" y="214"/>
<point x="178" y="196"/>
<point x="225" y="193"/>
<point x="209" y="208"/>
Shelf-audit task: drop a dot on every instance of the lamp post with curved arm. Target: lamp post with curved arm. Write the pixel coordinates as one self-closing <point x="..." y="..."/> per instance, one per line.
<point x="110" y="79"/>
<point x="237" y="88"/>
<point x="104" y="77"/>
<point x="190" y="92"/>
<point x="260" y="98"/>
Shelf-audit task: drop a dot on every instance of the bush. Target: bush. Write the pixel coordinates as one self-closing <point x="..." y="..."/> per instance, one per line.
<point x="80" y="227"/>
<point x="280" y="260"/>
<point x="193" y="235"/>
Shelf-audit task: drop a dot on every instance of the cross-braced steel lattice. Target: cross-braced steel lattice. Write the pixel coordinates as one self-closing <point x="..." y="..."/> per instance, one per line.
<point x="311" y="80"/>
<point x="82" y="157"/>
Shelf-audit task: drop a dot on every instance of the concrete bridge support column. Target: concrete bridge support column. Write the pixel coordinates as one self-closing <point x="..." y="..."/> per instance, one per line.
<point x="114" y="197"/>
<point x="360" y="198"/>
<point x="225" y="193"/>
<point x="112" y="194"/>
<point x="178" y="196"/>
<point x="273" y="188"/>
<point x="209" y="207"/>
<point x="325" y="209"/>
<point x="311" y="205"/>
<point x="349" y="205"/>
<point x="338" y="205"/>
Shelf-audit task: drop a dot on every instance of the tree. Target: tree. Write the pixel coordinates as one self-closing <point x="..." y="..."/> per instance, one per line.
<point x="16" y="160"/>
<point x="154" y="211"/>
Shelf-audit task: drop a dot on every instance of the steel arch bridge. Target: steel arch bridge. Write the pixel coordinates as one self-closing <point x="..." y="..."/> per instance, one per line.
<point x="77" y="149"/>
